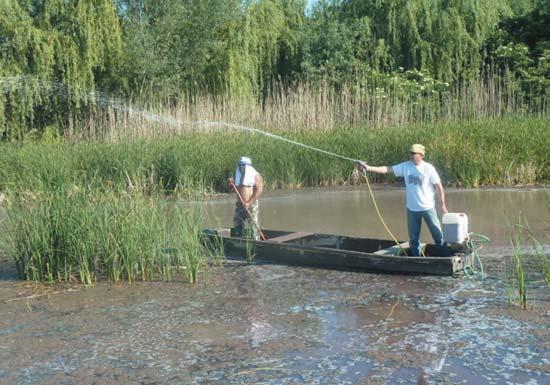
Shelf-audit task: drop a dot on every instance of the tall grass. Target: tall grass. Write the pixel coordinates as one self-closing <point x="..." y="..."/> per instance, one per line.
<point x="68" y="234"/>
<point x="506" y="152"/>
<point x="311" y="106"/>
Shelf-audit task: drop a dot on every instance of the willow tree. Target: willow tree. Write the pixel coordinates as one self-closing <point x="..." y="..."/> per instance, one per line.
<point x="174" y="45"/>
<point x="262" y="44"/>
<point x="53" y="56"/>
<point x="231" y="46"/>
<point x="443" y="37"/>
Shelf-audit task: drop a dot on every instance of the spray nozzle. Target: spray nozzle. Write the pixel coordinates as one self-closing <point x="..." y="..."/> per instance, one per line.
<point x="362" y="166"/>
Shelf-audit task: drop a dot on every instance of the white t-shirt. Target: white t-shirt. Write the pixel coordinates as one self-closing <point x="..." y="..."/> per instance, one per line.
<point x="419" y="184"/>
<point x="249" y="177"/>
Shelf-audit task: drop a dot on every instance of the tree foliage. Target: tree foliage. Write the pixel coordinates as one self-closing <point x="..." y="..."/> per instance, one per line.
<point x="55" y="54"/>
<point x="522" y="45"/>
<point x="231" y="45"/>
<point x="441" y="37"/>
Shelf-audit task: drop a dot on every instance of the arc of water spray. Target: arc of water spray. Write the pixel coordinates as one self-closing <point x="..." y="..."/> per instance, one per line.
<point x="268" y="134"/>
<point x="10" y="83"/>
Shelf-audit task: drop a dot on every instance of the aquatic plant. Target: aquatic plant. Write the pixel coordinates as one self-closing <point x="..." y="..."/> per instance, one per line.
<point x="69" y="234"/>
<point x="520" y="273"/>
<point x="467" y="154"/>
<point x="249" y="241"/>
<point x="527" y="251"/>
<point x="187" y="242"/>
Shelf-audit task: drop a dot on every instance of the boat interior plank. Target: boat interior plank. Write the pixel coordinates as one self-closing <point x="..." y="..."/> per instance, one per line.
<point x="290" y="237"/>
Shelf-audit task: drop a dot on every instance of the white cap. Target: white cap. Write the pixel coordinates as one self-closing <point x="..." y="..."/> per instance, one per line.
<point x="245" y="160"/>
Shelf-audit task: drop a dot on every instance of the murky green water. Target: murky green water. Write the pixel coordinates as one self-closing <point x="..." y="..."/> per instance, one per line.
<point x="268" y="324"/>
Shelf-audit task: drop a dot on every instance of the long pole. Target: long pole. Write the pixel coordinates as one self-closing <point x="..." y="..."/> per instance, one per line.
<point x="262" y="236"/>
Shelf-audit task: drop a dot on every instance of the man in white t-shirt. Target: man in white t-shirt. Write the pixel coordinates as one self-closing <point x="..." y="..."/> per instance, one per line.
<point x="421" y="184"/>
<point x="249" y="185"/>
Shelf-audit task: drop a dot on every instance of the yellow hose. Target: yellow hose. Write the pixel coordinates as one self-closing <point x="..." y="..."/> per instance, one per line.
<point x="380" y="217"/>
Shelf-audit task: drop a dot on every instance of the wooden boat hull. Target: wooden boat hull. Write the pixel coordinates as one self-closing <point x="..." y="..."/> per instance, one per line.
<point x="338" y="252"/>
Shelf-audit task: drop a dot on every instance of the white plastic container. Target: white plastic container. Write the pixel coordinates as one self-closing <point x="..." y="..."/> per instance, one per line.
<point x="455" y="227"/>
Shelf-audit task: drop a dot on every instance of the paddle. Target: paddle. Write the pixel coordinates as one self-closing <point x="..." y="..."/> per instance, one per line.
<point x="262" y="236"/>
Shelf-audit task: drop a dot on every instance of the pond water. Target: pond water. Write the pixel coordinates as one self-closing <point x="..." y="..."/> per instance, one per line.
<point x="269" y="324"/>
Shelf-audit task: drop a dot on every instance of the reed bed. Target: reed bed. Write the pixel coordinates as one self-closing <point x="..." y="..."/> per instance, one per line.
<point x="311" y="106"/>
<point x="505" y="152"/>
<point x="67" y="234"/>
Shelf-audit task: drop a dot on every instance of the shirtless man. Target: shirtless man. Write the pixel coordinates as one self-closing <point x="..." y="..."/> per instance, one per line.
<point x="250" y="186"/>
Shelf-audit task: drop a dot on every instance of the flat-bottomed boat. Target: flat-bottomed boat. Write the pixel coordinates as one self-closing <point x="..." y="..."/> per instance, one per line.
<point x="340" y="252"/>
